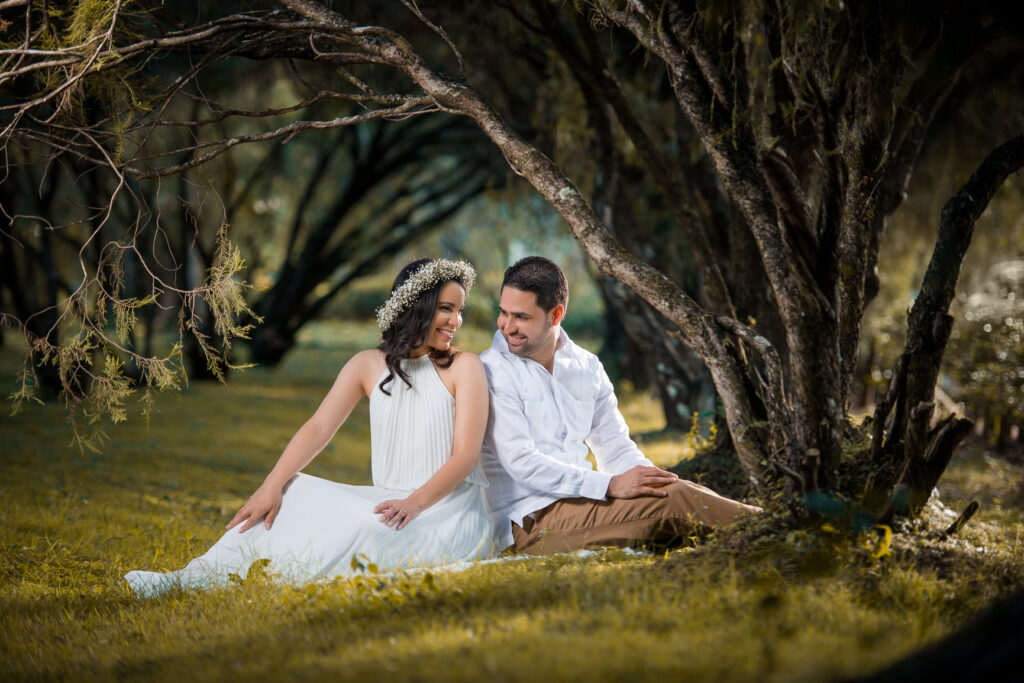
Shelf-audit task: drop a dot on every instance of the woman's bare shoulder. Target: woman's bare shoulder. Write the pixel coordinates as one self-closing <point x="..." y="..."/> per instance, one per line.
<point x="368" y="363"/>
<point x="466" y="358"/>
<point x="367" y="356"/>
<point x="466" y="364"/>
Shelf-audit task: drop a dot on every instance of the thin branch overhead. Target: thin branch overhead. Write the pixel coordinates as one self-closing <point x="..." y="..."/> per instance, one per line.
<point x="121" y="95"/>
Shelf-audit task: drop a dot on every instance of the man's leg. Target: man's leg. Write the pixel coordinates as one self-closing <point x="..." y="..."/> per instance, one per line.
<point x="573" y="523"/>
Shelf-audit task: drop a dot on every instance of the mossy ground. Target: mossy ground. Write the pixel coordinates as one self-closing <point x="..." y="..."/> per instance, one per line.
<point x="807" y="605"/>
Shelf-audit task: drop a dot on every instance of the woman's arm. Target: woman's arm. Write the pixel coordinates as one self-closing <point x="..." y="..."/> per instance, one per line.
<point x="354" y="381"/>
<point x="471" y="405"/>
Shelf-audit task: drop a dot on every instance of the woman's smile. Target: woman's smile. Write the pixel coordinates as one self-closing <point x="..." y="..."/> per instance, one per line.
<point x="447" y="316"/>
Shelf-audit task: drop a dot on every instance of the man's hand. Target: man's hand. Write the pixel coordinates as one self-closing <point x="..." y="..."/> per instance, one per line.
<point x="642" y="480"/>
<point x="263" y="504"/>
<point x="399" y="512"/>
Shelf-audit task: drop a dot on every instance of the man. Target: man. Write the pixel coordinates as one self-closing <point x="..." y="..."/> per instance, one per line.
<point x="550" y="399"/>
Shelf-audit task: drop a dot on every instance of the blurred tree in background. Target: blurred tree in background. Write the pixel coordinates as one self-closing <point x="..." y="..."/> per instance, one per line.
<point x="986" y="363"/>
<point x="138" y="265"/>
<point x="381" y="187"/>
<point x="984" y="371"/>
<point x="997" y="240"/>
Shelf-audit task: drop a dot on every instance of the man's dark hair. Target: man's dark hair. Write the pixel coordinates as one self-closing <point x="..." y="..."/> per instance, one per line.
<point x="542" y="277"/>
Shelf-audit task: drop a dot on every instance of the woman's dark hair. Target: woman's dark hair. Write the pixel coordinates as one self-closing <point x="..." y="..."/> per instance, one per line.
<point x="412" y="327"/>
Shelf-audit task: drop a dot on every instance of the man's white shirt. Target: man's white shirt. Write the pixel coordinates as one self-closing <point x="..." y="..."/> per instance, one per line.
<point x="540" y="425"/>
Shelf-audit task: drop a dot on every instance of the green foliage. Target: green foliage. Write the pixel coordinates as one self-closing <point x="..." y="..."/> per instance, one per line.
<point x="110" y="390"/>
<point x="96" y="324"/>
<point x="985" y="364"/>
<point x="83" y="28"/>
<point x="89" y="21"/>
<point x="982" y="368"/>
<point x="25" y="392"/>
<point x="224" y="294"/>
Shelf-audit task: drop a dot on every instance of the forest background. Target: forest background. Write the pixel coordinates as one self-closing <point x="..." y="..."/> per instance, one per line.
<point x="317" y="226"/>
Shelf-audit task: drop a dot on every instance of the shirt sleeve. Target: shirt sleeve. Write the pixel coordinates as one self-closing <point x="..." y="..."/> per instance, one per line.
<point x="609" y="438"/>
<point x="514" y="447"/>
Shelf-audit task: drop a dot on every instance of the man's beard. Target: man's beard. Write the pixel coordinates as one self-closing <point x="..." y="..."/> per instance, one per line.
<point x="532" y="345"/>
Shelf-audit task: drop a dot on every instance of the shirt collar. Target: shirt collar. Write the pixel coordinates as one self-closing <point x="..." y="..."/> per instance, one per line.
<point x="499" y="343"/>
<point x="564" y="343"/>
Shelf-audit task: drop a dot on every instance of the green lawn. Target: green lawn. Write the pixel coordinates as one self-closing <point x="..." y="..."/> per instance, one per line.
<point x="806" y="606"/>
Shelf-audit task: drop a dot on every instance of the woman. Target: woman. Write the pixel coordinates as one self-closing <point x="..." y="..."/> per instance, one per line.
<point x="428" y="412"/>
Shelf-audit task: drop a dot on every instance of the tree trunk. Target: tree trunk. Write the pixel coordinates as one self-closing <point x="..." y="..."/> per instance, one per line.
<point x="26" y="277"/>
<point x="655" y="360"/>
<point x="909" y="455"/>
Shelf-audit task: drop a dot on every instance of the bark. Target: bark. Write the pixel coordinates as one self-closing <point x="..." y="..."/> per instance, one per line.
<point x="808" y="317"/>
<point x="901" y="421"/>
<point x="40" y="316"/>
<point x="592" y="70"/>
<point x="815" y="302"/>
<point x="653" y="360"/>
<point x="1004" y="438"/>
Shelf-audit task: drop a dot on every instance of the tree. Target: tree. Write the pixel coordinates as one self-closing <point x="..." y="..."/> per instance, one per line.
<point x="811" y="117"/>
<point x="987" y="352"/>
<point x="398" y="181"/>
<point x="705" y="216"/>
<point x="160" y="248"/>
<point x="619" y="142"/>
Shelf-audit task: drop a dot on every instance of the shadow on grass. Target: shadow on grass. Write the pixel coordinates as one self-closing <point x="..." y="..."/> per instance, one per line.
<point x="804" y="605"/>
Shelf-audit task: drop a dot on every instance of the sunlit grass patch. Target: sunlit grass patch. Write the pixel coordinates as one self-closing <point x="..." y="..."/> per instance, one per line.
<point x="664" y="448"/>
<point x="606" y="616"/>
<point x="767" y="607"/>
<point x="996" y="482"/>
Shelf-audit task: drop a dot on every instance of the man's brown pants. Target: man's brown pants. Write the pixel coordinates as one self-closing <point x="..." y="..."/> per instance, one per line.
<point x="573" y="523"/>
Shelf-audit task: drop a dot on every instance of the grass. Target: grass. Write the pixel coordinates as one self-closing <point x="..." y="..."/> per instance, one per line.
<point x="805" y="606"/>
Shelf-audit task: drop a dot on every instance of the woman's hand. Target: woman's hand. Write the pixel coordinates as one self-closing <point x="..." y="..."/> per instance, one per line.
<point x="399" y="512"/>
<point x="263" y="504"/>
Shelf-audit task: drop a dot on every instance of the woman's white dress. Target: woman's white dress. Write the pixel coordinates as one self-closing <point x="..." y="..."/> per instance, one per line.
<point x="323" y="525"/>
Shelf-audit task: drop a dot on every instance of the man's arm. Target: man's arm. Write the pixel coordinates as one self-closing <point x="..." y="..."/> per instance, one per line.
<point x="609" y="438"/>
<point x="616" y="453"/>
<point x="509" y="437"/>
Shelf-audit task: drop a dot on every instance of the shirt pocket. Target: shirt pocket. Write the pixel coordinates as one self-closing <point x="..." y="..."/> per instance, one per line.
<point x="543" y="418"/>
<point x="582" y="417"/>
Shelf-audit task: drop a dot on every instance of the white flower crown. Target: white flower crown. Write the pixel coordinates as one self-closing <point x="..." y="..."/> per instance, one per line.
<point x="423" y="279"/>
